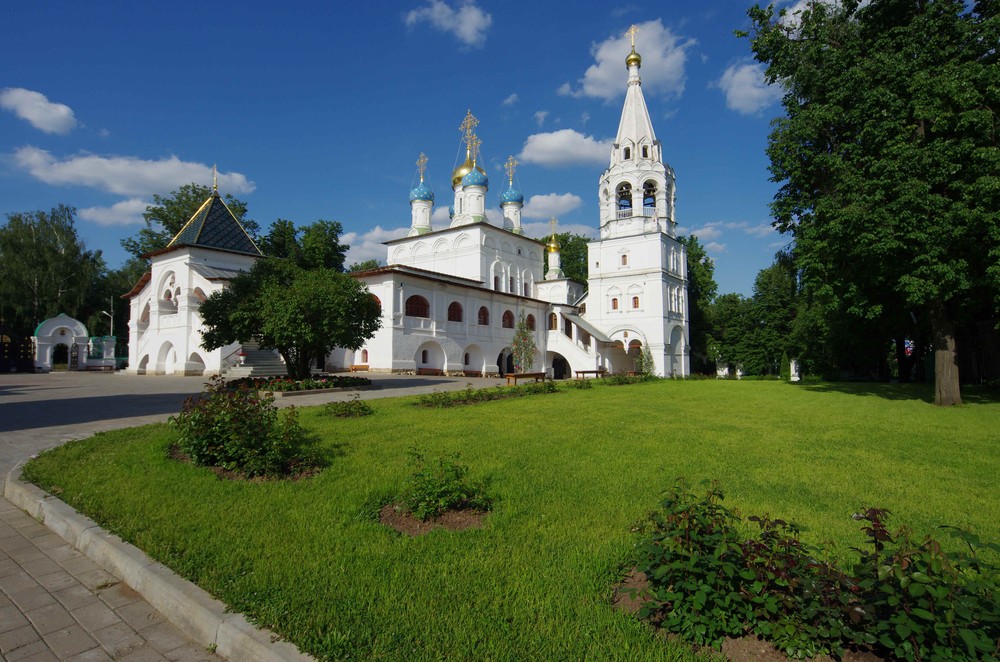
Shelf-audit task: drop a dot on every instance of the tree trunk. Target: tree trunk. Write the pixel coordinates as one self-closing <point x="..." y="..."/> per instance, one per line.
<point x="947" y="390"/>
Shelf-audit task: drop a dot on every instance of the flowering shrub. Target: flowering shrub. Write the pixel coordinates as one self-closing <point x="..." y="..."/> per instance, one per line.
<point x="439" y="485"/>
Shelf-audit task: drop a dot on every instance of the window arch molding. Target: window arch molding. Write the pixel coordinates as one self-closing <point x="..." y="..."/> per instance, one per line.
<point x="418" y="306"/>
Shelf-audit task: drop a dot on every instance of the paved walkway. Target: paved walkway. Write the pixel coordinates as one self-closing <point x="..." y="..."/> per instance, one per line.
<point x="56" y="604"/>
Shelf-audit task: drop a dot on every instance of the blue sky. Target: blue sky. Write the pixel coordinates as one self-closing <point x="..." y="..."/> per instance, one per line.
<point x="320" y="110"/>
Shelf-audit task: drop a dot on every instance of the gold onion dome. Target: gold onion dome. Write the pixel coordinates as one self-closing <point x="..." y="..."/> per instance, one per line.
<point x="553" y="245"/>
<point x="463" y="170"/>
<point x="633" y="58"/>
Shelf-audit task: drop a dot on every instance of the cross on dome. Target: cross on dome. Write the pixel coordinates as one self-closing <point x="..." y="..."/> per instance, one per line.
<point x="509" y="166"/>
<point x="632" y="32"/>
<point x="422" y="165"/>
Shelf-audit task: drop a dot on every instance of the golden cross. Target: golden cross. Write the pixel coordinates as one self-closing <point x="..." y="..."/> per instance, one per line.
<point x="552" y="224"/>
<point x="215" y="179"/>
<point x="468" y="124"/>
<point x="510" y="165"/>
<point x="474" y="142"/>
<point x="422" y="165"/>
<point x="631" y="32"/>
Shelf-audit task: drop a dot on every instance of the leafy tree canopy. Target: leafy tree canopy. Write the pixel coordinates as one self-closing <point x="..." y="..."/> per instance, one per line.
<point x="301" y="313"/>
<point x="366" y="265"/>
<point x="702" y="289"/>
<point x="315" y="246"/>
<point x="572" y="255"/>
<point x="45" y="269"/>
<point x="888" y="157"/>
<point x="168" y="214"/>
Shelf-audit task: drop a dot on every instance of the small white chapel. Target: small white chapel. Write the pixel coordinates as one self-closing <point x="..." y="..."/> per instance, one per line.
<point x="451" y="296"/>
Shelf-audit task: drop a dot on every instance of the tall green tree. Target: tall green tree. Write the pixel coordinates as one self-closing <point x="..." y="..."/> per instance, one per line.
<point x="301" y="313"/>
<point x="168" y="214"/>
<point x="45" y="268"/>
<point x="702" y="290"/>
<point x="315" y="246"/>
<point x="365" y="265"/>
<point x="888" y="157"/>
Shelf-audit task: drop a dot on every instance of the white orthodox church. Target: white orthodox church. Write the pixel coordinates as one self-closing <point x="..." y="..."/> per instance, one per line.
<point x="451" y="297"/>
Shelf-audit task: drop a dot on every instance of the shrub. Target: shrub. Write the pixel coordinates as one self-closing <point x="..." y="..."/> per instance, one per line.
<point x="242" y="431"/>
<point x="469" y="396"/>
<point x="440" y="485"/>
<point x="353" y="408"/>
<point x="925" y="603"/>
<point x="282" y="384"/>
<point x="621" y="379"/>
<point x="907" y="600"/>
<point x="581" y="384"/>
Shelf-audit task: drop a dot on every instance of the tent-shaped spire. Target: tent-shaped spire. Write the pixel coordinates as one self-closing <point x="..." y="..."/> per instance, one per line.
<point x="635" y="126"/>
<point x="215" y="226"/>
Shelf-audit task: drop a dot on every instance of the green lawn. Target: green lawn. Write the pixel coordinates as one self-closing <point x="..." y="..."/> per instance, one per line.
<point x="570" y="472"/>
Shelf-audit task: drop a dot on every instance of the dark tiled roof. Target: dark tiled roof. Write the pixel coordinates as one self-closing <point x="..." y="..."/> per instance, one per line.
<point x="214" y="226"/>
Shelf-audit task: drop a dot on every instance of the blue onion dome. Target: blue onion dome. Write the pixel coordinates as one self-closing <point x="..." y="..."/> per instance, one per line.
<point x="421" y="192"/>
<point x="476" y="177"/>
<point x="512" y="195"/>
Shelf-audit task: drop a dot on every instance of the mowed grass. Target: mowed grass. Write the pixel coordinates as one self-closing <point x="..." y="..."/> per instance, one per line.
<point x="570" y="472"/>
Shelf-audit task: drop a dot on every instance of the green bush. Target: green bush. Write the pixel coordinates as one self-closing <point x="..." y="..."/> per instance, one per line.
<point x="470" y="396"/>
<point x="906" y="600"/>
<point x="353" y="408"/>
<point x="621" y="379"/>
<point x="242" y="431"/>
<point x="581" y="384"/>
<point x="282" y="384"/>
<point x="439" y="485"/>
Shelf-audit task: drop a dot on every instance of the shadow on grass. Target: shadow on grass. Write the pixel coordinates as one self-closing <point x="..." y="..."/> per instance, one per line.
<point x="971" y="395"/>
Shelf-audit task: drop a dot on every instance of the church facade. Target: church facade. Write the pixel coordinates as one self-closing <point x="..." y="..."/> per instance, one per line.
<point x="451" y="297"/>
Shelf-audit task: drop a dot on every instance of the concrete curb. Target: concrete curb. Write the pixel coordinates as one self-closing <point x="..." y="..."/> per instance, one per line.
<point x="189" y="608"/>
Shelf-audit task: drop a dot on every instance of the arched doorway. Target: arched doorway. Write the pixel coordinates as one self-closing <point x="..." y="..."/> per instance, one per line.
<point x="60" y="356"/>
<point x="560" y="367"/>
<point x="430" y="357"/>
<point x="505" y="361"/>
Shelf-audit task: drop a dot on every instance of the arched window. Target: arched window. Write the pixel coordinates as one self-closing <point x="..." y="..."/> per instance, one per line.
<point x="496" y="283"/>
<point x="423" y="356"/>
<point x="625" y="196"/>
<point x="614" y="303"/>
<point x="466" y="359"/>
<point x="624" y="260"/>
<point x="635" y="302"/>
<point x="649" y="194"/>
<point x="527" y="290"/>
<point x="529" y="322"/>
<point x="378" y="302"/>
<point x="455" y="312"/>
<point x="508" y="320"/>
<point x="645" y="152"/>
<point x="364" y="356"/>
<point x="553" y="322"/>
<point x="510" y="284"/>
<point x="627" y="153"/>
<point x="417" y="306"/>
<point x="484" y="316"/>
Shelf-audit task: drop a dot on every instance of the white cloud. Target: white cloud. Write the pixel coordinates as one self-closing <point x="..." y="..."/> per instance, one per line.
<point x="511" y="100"/>
<point x="549" y="205"/>
<point x="584" y="118"/>
<point x="126" y="212"/>
<point x="38" y="110"/>
<point x="440" y="214"/>
<point x="467" y="22"/>
<point x="707" y="232"/>
<point x="564" y="147"/>
<point x="715" y="247"/>
<point x="762" y="230"/>
<point x="368" y="245"/>
<point x="663" y="58"/>
<point x="746" y="90"/>
<point x="124" y="175"/>
<point x="540" y="116"/>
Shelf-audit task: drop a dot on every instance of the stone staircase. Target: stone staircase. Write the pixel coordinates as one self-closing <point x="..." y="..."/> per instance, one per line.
<point x="258" y="363"/>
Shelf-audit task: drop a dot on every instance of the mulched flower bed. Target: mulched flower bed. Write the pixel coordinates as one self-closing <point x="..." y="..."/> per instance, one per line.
<point x="398" y="518"/>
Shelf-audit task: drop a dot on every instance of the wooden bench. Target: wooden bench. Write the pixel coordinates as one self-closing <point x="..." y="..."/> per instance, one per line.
<point x="472" y="373"/>
<point x="582" y="374"/>
<point x="430" y="371"/>
<point x="513" y="377"/>
<point x="359" y="368"/>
